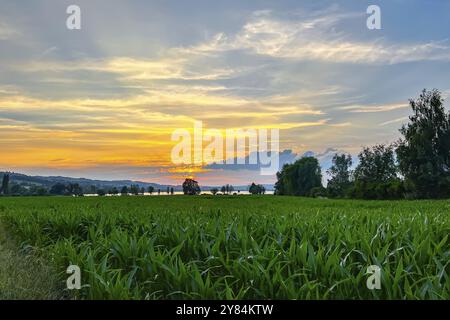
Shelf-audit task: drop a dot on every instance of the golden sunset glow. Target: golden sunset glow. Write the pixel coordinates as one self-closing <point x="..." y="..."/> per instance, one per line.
<point x="104" y="101"/>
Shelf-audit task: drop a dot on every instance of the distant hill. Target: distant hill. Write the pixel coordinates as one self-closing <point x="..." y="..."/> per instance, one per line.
<point x="104" y="184"/>
<point x="83" y="182"/>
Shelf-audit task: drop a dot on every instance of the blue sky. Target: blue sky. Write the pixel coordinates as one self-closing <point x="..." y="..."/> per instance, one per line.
<point x="102" y="101"/>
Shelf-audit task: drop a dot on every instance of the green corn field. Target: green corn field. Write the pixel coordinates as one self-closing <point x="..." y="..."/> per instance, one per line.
<point x="238" y="247"/>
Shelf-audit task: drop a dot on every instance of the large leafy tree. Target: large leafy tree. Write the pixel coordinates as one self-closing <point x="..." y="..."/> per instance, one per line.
<point x="256" y="189"/>
<point x="424" y="151"/>
<point x="191" y="187"/>
<point x="376" y="164"/>
<point x="340" y="175"/>
<point x="299" y="178"/>
<point x="376" y="174"/>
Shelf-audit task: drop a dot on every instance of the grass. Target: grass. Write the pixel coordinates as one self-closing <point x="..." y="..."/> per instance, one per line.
<point x="23" y="274"/>
<point x="239" y="247"/>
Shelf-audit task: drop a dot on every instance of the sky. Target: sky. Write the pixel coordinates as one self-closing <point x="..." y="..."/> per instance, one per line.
<point x="102" y="102"/>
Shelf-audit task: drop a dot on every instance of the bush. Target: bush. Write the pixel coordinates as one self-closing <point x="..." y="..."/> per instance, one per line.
<point x="318" y="192"/>
<point x="393" y="189"/>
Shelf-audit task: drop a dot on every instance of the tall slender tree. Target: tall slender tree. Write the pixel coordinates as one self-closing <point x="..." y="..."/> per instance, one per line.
<point x="424" y="151"/>
<point x="5" y="184"/>
<point x="340" y="175"/>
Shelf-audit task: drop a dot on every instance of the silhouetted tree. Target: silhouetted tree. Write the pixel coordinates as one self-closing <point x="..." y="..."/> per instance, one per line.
<point x="124" y="191"/>
<point x="252" y="189"/>
<point x="58" y="189"/>
<point x="74" y="189"/>
<point x="376" y="174"/>
<point x="214" y="191"/>
<point x="228" y="188"/>
<point x="340" y="175"/>
<point x="191" y="187"/>
<point x="134" y="189"/>
<point x="256" y="189"/>
<point x="376" y="164"/>
<point x="151" y="189"/>
<point x="113" y="191"/>
<point x="299" y="178"/>
<point x="424" y="151"/>
<point x="5" y="184"/>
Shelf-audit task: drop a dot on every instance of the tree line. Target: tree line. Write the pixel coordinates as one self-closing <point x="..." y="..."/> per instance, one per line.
<point x="73" y="189"/>
<point x="414" y="167"/>
<point x="191" y="187"/>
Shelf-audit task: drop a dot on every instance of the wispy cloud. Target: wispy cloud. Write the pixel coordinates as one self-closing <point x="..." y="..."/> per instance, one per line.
<point x="133" y="69"/>
<point x="402" y="119"/>
<point x="318" y="39"/>
<point x="374" y="108"/>
<point x="7" y="32"/>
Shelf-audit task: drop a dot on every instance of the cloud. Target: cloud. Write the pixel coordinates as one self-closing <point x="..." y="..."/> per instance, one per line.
<point x="130" y="69"/>
<point x="320" y="38"/>
<point x="7" y="32"/>
<point x="286" y="156"/>
<point x="48" y="51"/>
<point x="402" y="119"/>
<point x="317" y="39"/>
<point x="374" y="108"/>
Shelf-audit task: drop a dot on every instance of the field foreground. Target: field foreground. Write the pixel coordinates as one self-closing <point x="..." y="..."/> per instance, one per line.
<point x="238" y="247"/>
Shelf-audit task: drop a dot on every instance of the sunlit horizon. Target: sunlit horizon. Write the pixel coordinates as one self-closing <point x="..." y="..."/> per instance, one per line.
<point x="102" y="102"/>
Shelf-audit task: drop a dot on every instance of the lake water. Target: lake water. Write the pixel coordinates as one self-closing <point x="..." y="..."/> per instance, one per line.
<point x="181" y="193"/>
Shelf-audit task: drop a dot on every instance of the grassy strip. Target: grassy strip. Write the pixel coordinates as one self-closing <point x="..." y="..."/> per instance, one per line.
<point x="24" y="275"/>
